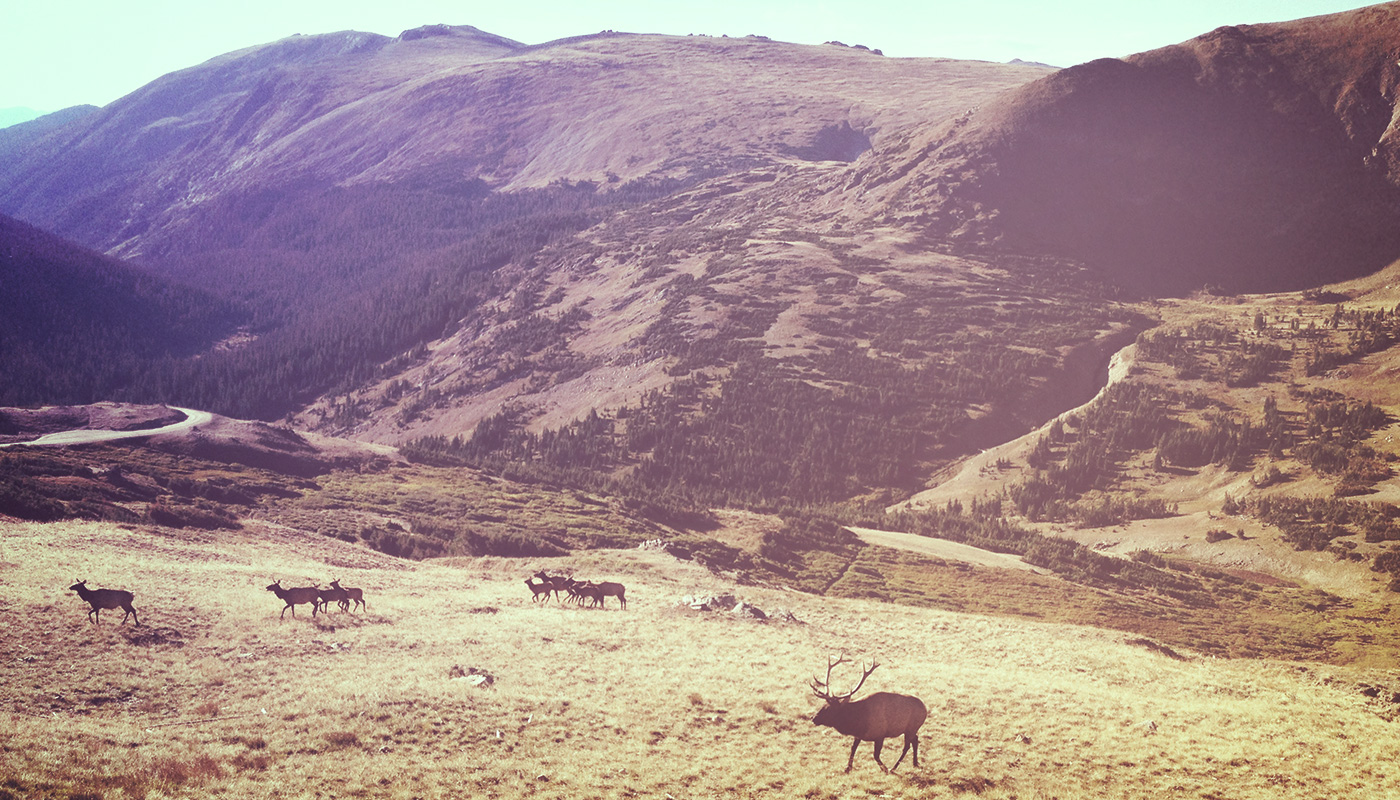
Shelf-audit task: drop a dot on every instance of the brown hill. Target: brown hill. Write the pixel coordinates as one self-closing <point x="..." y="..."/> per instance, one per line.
<point x="1256" y="156"/>
<point x="452" y="106"/>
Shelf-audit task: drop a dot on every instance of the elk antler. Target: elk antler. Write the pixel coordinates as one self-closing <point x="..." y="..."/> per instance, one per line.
<point x="822" y="689"/>
<point x="865" y="675"/>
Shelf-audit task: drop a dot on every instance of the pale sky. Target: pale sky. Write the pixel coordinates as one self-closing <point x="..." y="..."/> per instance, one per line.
<point x="59" y="53"/>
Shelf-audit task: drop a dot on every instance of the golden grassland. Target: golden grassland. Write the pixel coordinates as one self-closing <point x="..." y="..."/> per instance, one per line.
<point x="214" y="696"/>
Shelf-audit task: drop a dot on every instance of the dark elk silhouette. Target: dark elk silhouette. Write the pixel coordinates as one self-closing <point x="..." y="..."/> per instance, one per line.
<point x="324" y="598"/>
<point x="352" y="595"/>
<point x="546" y="587"/>
<point x="296" y="597"/>
<point x="105" y="598"/>
<point x="874" y="719"/>
<point x="595" y="593"/>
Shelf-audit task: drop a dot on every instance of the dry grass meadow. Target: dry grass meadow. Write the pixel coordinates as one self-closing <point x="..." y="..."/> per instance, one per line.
<point x="214" y="696"/>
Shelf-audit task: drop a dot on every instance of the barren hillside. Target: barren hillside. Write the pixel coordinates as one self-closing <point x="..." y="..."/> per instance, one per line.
<point x="1252" y="157"/>
<point x="452" y="680"/>
<point x="456" y="107"/>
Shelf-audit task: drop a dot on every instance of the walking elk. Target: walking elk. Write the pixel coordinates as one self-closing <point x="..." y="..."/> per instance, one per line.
<point x="541" y="589"/>
<point x="548" y="586"/>
<point x="324" y="598"/>
<point x="105" y="598"/>
<point x="352" y="595"/>
<point x="295" y="597"/>
<point x="874" y="719"/>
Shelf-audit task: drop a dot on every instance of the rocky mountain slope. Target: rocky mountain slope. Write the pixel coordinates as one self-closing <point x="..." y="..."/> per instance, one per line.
<point x="1252" y="157"/>
<point x="735" y="268"/>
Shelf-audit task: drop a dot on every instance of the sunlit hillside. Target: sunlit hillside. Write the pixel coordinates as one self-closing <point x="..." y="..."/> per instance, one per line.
<point x="214" y="695"/>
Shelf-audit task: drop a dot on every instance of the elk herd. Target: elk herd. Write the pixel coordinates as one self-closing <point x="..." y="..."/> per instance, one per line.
<point x="320" y="599"/>
<point x="875" y="718"/>
<point x="578" y="592"/>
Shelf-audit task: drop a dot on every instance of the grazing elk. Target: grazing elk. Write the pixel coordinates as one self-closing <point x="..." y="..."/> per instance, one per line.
<point x="105" y="598"/>
<point x="352" y="595"/>
<point x="296" y="597"/>
<point x="875" y="718"/>
<point x="607" y="589"/>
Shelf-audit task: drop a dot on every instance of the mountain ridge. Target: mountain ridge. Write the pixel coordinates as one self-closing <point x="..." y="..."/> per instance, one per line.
<point x="493" y="115"/>
<point x="1254" y="156"/>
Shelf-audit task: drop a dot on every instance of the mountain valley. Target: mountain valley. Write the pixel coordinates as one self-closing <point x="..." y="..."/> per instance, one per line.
<point x="958" y="362"/>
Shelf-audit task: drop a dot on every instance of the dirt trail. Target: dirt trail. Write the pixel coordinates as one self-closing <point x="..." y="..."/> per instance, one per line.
<point x="941" y="548"/>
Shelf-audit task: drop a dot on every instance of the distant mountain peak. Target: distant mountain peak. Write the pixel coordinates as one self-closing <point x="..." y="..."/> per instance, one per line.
<point x="1261" y="157"/>
<point x="1023" y="63"/>
<point x="461" y="31"/>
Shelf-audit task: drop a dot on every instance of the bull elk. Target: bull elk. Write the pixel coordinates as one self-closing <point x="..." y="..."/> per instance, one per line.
<point x="295" y="597"/>
<point x="105" y="598"/>
<point x="874" y="719"/>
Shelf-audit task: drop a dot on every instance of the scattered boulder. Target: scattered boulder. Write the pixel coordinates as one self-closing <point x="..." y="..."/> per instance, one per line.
<point x="749" y="612"/>
<point x="710" y="602"/>
<point x="472" y="675"/>
<point x="736" y="607"/>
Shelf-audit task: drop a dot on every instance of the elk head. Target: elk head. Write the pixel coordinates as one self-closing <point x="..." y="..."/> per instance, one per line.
<point x="830" y="711"/>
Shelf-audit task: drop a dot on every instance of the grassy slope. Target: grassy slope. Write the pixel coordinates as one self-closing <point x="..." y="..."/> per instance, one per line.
<point x="1199" y="493"/>
<point x="649" y="702"/>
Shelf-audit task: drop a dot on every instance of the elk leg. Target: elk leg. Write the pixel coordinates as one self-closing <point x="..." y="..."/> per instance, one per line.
<point x="879" y="743"/>
<point x="910" y="740"/>
<point x="852" y="760"/>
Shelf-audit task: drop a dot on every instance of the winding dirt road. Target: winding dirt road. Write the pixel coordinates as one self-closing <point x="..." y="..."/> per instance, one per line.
<point x="192" y="419"/>
<point x="979" y="475"/>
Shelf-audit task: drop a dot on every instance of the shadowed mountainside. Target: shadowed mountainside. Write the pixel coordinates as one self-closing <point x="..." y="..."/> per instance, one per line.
<point x="77" y="325"/>
<point x="1253" y="157"/>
